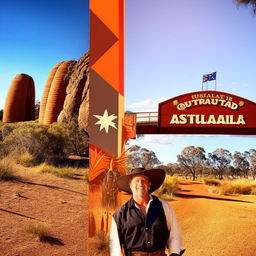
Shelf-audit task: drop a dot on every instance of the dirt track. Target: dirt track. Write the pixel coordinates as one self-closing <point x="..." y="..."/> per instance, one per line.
<point x="215" y="225"/>
<point x="211" y="225"/>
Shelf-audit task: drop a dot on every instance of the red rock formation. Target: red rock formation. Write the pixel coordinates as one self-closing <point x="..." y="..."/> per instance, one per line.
<point x="20" y="100"/>
<point x="77" y="99"/>
<point x="46" y="92"/>
<point x="83" y="115"/>
<point x="57" y="93"/>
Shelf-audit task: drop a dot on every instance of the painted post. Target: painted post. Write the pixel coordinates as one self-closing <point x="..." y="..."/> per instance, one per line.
<point x="106" y="111"/>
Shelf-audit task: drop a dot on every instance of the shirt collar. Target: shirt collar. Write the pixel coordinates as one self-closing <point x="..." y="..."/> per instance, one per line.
<point x="131" y="202"/>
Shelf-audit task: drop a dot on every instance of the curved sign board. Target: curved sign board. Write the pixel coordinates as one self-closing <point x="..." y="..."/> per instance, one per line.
<point x="207" y="112"/>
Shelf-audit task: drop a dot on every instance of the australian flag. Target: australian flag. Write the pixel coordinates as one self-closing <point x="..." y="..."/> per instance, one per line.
<point x="209" y="77"/>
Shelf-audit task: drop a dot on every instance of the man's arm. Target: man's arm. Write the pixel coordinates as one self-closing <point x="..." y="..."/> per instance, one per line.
<point x="114" y="242"/>
<point x="174" y="242"/>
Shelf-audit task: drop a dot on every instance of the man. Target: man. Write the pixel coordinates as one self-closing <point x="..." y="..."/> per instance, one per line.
<point x="145" y="225"/>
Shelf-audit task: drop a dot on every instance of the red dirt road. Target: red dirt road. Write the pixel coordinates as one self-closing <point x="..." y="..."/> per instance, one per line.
<point x="215" y="225"/>
<point x="211" y="225"/>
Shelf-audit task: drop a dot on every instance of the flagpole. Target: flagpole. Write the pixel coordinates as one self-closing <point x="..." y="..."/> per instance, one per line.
<point x="215" y="81"/>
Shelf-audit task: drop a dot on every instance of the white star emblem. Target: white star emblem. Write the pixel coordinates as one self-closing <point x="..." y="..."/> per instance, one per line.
<point x="105" y="121"/>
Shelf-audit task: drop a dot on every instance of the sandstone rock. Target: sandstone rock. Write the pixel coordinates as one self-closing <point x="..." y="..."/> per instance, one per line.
<point x="83" y="116"/>
<point x="57" y="93"/>
<point x="20" y="100"/>
<point x="46" y="92"/>
<point x="76" y="103"/>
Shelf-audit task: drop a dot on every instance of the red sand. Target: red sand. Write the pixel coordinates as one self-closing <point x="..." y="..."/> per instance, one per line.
<point x="211" y="225"/>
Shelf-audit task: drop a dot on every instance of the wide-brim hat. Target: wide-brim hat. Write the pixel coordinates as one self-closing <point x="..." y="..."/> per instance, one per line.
<point x="156" y="177"/>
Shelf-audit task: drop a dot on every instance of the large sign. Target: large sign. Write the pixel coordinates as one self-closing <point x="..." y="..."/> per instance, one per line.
<point x="207" y="112"/>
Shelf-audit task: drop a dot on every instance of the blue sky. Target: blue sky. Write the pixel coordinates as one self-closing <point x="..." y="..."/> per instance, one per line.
<point x="169" y="45"/>
<point x="35" y="35"/>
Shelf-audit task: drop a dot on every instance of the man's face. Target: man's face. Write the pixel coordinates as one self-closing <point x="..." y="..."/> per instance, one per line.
<point x="140" y="185"/>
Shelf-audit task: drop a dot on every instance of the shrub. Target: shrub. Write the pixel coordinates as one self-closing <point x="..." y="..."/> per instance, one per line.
<point x="38" y="140"/>
<point x="242" y="186"/>
<point x="26" y="159"/>
<point x="64" y="172"/>
<point x="38" y="230"/>
<point x="78" y="139"/>
<point x="6" y="169"/>
<point x="211" y="181"/>
<point x="47" y="143"/>
<point x="168" y="188"/>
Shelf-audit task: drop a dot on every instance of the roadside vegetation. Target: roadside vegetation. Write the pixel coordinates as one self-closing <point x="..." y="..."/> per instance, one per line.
<point x="229" y="187"/>
<point x="64" y="172"/>
<point x="168" y="188"/>
<point x="43" y="147"/>
<point x="225" y="172"/>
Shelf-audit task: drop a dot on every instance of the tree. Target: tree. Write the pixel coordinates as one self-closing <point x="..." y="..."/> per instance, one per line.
<point x="141" y="157"/>
<point x="234" y="172"/>
<point x="247" y="2"/>
<point x="251" y="155"/>
<point x="171" y="168"/>
<point x="174" y="168"/>
<point x="240" y="161"/>
<point x="192" y="159"/>
<point x="78" y="139"/>
<point x="220" y="160"/>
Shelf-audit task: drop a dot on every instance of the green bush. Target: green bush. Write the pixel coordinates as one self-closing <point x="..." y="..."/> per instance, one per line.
<point x="46" y="143"/>
<point x="36" y="140"/>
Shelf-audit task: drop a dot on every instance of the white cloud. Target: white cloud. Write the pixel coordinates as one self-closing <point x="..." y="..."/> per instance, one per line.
<point x="157" y="140"/>
<point x="145" y="106"/>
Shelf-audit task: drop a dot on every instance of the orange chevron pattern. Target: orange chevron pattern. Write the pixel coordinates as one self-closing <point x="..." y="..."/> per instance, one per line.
<point x="107" y="41"/>
<point x="107" y="63"/>
<point x="107" y="155"/>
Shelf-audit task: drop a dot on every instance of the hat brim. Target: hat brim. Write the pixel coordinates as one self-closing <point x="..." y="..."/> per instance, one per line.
<point x="156" y="177"/>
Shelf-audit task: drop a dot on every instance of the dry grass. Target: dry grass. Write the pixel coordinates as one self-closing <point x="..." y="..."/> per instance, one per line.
<point x="38" y="230"/>
<point x="7" y="169"/>
<point x="241" y="186"/>
<point x="99" y="245"/>
<point x="64" y="172"/>
<point x="168" y="188"/>
<point x="26" y="159"/>
<point x="211" y="181"/>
